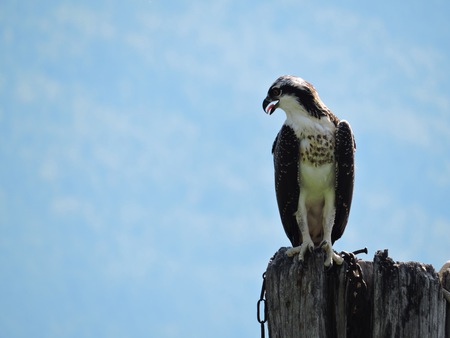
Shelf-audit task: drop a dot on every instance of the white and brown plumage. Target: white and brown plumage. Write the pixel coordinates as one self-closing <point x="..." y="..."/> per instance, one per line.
<point x="314" y="168"/>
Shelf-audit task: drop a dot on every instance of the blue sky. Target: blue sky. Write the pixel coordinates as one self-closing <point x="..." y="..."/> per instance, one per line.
<point x="136" y="179"/>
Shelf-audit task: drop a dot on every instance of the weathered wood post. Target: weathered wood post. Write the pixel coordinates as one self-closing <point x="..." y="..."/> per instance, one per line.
<point x="445" y="281"/>
<point x="297" y="298"/>
<point x="408" y="299"/>
<point x="399" y="299"/>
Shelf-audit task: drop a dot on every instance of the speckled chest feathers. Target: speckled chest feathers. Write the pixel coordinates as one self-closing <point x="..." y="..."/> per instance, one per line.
<point x="317" y="149"/>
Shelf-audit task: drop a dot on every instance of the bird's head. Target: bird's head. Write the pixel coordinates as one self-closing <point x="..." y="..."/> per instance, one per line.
<point x="292" y="93"/>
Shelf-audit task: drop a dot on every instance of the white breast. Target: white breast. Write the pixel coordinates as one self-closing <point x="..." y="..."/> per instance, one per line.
<point x="317" y="170"/>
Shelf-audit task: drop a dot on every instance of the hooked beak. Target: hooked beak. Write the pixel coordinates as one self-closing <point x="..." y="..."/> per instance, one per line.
<point x="269" y="105"/>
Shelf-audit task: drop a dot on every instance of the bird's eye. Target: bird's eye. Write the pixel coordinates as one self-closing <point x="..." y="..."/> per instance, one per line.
<point x="275" y="92"/>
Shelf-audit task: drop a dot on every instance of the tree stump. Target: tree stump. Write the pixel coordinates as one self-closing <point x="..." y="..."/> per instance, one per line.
<point x="400" y="299"/>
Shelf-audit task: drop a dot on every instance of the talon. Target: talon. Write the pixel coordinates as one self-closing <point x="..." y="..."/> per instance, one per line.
<point x="300" y="250"/>
<point x="328" y="262"/>
<point x="293" y="251"/>
<point x="337" y="259"/>
<point x="307" y="245"/>
<point x="324" y="245"/>
<point x="331" y="256"/>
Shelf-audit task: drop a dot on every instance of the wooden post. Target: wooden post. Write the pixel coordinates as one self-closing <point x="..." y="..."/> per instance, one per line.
<point x="408" y="299"/>
<point x="305" y="300"/>
<point x="446" y="285"/>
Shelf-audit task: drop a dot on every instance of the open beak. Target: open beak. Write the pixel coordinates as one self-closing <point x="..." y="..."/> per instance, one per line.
<point x="269" y="106"/>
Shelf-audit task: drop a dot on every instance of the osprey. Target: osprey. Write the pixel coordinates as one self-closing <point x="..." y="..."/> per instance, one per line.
<point x="314" y="168"/>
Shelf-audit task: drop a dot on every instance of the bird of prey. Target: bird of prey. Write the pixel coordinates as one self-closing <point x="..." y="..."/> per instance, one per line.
<point x="314" y="168"/>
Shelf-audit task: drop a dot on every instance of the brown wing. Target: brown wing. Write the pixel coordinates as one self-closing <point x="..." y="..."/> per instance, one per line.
<point x="286" y="161"/>
<point x="345" y="176"/>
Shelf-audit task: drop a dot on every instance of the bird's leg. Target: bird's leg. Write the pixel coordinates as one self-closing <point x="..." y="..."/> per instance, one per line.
<point x="307" y="243"/>
<point x="329" y="213"/>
